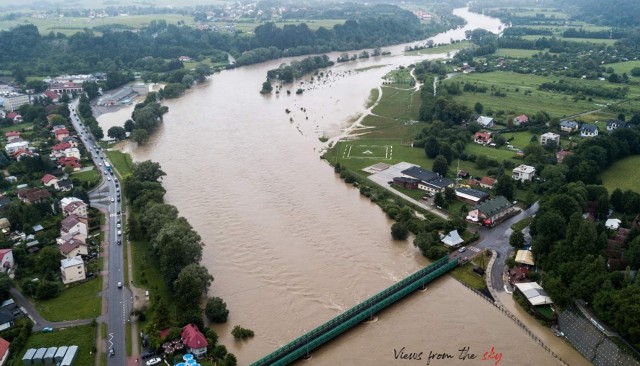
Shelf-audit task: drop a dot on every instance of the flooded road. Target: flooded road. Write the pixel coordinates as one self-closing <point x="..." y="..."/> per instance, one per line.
<point x="289" y="244"/>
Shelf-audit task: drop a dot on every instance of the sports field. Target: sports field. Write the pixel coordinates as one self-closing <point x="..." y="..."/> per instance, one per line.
<point x="364" y="151"/>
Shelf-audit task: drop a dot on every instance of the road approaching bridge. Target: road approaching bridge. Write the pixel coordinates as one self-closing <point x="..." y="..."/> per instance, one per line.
<point x="302" y="346"/>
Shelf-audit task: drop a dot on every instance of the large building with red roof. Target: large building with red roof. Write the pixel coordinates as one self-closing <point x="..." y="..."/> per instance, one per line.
<point x="194" y="340"/>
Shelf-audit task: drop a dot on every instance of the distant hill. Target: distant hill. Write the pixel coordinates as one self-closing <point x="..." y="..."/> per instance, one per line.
<point x="615" y="13"/>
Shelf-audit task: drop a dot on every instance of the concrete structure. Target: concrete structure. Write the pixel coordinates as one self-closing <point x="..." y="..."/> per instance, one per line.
<point x="76" y="207"/>
<point x="523" y="173"/>
<point x="16" y="145"/>
<point x="60" y="354"/>
<point x="73" y="248"/>
<point x="13" y="101"/>
<point x="549" y="137"/>
<point x="70" y="356"/>
<point x="28" y="356"/>
<point x="50" y="355"/>
<point x="72" y="270"/>
<point x="492" y="212"/>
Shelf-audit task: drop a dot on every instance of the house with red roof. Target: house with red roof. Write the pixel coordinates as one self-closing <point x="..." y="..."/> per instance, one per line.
<point x="194" y="340"/>
<point x="52" y="95"/>
<point x="487" y="182"/>
<point x="69" y="161"/>
<point x="49" y="180"/>
<point x="482" y="138"/>
<point x="61" y="134"/>
<point x="15" y="117"/>
<point x="521" y="120"/>
<point x="6" y="260"/>
<point x="58" y="150"/>
<point x="4" y="350"/>
<point x="12" y="135"/>
<point x="20" y="153"/>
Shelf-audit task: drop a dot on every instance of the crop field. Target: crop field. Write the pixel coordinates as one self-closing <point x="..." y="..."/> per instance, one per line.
<point x="623" y="174"/>
<point x="556" y="104"/>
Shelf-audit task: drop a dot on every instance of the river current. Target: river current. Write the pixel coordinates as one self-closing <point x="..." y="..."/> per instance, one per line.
<point x="291" y="246"/>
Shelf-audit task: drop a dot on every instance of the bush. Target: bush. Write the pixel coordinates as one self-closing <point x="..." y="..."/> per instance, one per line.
<point x="239" y="332"/>
<point x="399" y="231"/>
<point x="216" y="310"/>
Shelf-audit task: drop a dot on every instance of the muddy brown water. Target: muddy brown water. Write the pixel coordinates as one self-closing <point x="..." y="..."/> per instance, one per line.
<point x="291" y="246"/>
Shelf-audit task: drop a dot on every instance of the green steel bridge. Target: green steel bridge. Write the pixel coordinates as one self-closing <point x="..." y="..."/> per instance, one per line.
<point x="303" y="345"/>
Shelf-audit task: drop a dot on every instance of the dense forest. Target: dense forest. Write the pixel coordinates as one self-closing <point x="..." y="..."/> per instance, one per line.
<point x="26" y="49"/>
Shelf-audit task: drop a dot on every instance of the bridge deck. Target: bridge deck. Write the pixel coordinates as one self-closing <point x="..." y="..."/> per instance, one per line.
<point x="304" y="344"/>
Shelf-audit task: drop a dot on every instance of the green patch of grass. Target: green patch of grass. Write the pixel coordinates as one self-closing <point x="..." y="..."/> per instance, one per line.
<point x="624" y="67"/>
<point x="147" y="272"/>
<point x="128" y="339"/>
<point x="440" y="49"/>
<point x="520" y="139"/>
<point x="416" y="194"/>
<point x="91" y="176"/>
<point x="623" y="174"/>
<point x="517" y="53"/>
<point x="520" y="225"/>
<point x="84" y="337"/>
<point x="397" y="104"/>
<point x="499" y="154"/>
<point x="77" y="302"/>
<point x="466" y="275"/>
<point x="606" y="41"/>
<point x="121" y="162"/>
<point x="20" y="127"/>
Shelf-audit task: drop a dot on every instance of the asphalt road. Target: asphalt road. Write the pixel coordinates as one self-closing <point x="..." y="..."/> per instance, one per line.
<point x="105" y="197"/>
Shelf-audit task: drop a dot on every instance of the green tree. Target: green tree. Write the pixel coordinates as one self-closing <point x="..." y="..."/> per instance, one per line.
<point x="431" y="147"/>
<point x="399" y="231"/>
<point x="505" y="187"/>
<point x="482" y="161"/>
<point x="117" y="133"/>
<point x="439" y="200"/>
<point x="266" y="87"/>
<point x="129" y="125"/>
<point x="147" y="171"/>
<point x="177" y="246"/>
<point x="517" y="239"/>
<point x="445" y="150"/>
<point x="440" y="166"/>
<point x="157" y="215"/>
<point x="192" y="283"/>
<point x="241" y="333"/>
<point x="49" y="259"/>
<point x="216" y="310"/>
<point x="139" y="135"/>
<point x="5" y="285"/>
<point x="478" y="107"/>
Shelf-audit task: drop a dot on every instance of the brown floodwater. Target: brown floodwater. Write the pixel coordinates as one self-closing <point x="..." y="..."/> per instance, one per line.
<point x="290" y="245"/>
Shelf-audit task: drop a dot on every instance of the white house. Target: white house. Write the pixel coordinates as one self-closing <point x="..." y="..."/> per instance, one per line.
<point x="77" y="208"/>
<point x="12" y="147"/>
<point x="486" y="122"/>
<point x="568" y="126"/>
<point x="588" y="130"/>
<point x="523" y="173"/>
<point x="548" y="137"/>
<point x="74" y="224"/>
<point x="72" y="270"/>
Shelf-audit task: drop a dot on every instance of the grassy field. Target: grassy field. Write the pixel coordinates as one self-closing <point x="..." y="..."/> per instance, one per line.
<point x="466" y="275"/>
<point x="146" y="271"/>
<point x="520" y="139"/>
<point x="556" y="104"/>
<point x="84" y="337"/>
<point x="623" y="174"/>
<point x="77" y="302"/>
<point x="91" y="176"/>
<point x="440" y="49"/>
<point x="498" y="154"/>
<point x="122" y="162"/>
<point x="513" y="52"/>
<point x="398" y="104"/>
<point x="624" y="67"/>
<point x="608" y="42"/>
<point x="400" y="78"/>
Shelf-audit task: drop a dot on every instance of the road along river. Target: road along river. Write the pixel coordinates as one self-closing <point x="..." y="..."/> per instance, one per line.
<point x="290" y="245"/>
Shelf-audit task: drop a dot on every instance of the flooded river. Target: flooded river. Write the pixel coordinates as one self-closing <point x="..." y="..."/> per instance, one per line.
<point x="290" y="245"/>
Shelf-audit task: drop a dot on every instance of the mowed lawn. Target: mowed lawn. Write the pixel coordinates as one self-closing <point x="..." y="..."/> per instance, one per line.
<point x="556" y="104"/>
<point x="84" y="337"/>
<point x="121" y="161"/>
<point x="397" y="103"/>
<point x="77" y="302"/>
<point x="624" y="174"/>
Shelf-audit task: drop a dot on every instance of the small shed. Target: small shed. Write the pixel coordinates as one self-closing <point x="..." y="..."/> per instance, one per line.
<point x="525" y="257"/>
<point x="28" y="356"/>
<point x="38" y="358"/>
<point x="60" y="354"/>
<point x="70" y="356"/>
<point x="49" y="355"/>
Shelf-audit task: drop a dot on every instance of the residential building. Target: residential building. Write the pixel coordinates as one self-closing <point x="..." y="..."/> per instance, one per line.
<point x="471" y="195"/>
<point x="33" y="195"/>
<point x="13" y="101"/>
<point x="6" y="260"/>
<point x="21" y="153"/>
<point x="550" y="137"/>
<point x="523" y="173"/>
<point x="492" y="211"/>
<point x="485" y="122"/>
<point x="194" y="340"/>
<point x="52" y="95"/>
<point x="57" y="151"/>
<point x="487" y="182"/>
<point x="68" y="200"/>
<point x="560" y="155"/>
<point x="15" y="117"/>
<point x="569" y="126"/>
<point x="12" y="135"/>
<point x="69" y="162"/>
<point x="482" y="138"/>
<point x="64" y="185"/>
<point x="61" y="134"/>
<point x="72" y="270"/>
<point x="15" y="145"/>
<point x="452" y="239"/>
<point x="73" y="248"/>
<point x="521" y="120"/>
<point x="429" y="181"/>
<point x="4" y="350"/>
<point x="74" y="224"/>
<point x="72" y="153"/>
<point x="588" y="130"/>
<point x="49" y="180"/>
<point x="407" y="183"/>
<point x="76" y="207"/>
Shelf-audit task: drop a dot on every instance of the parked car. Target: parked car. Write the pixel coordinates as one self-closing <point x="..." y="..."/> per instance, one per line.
<point x="47" y="330"/>
<point x="154" y="361"/>
<point x="119" y="284"/>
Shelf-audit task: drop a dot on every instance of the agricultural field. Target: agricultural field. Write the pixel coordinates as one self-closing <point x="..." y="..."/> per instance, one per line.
<point x="513" y="52"/>
<point x="608" y="42"/>
<point x="516" y="101"/>
<point x="623" y="174"/>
